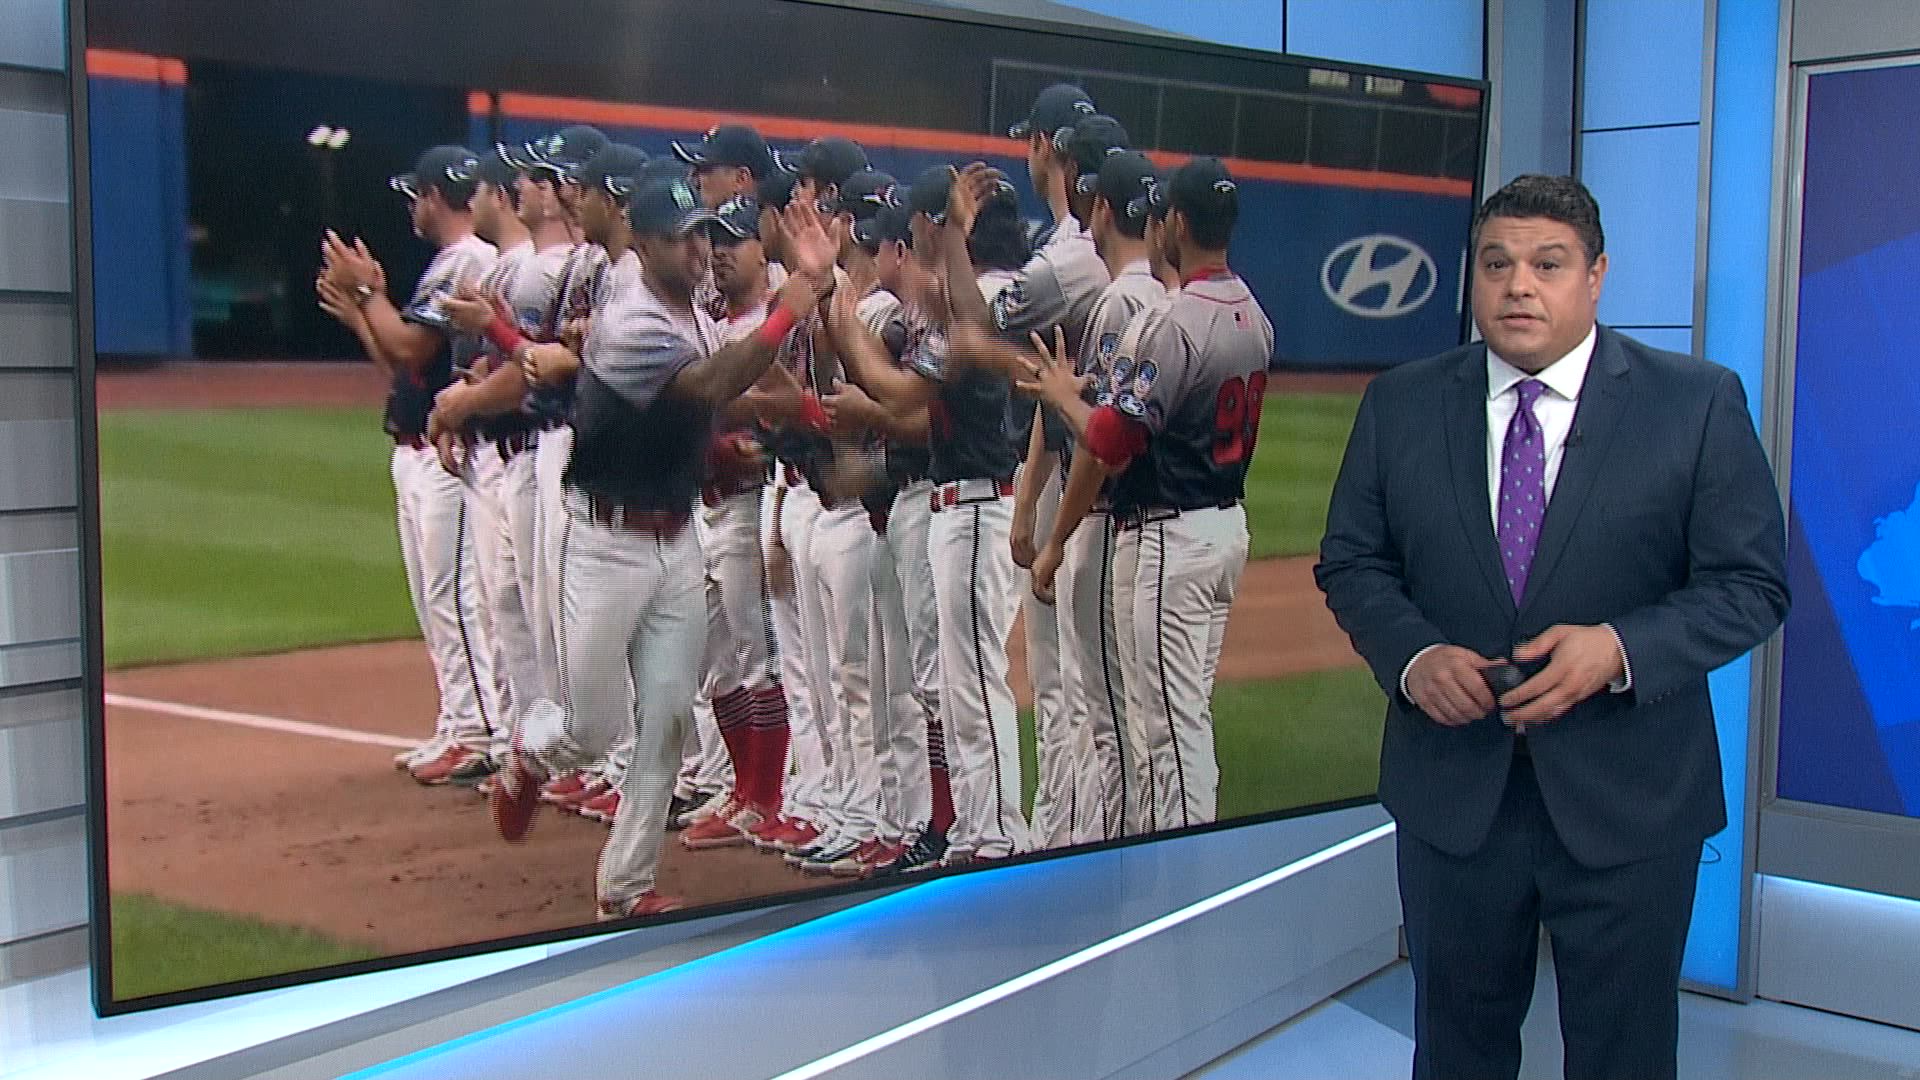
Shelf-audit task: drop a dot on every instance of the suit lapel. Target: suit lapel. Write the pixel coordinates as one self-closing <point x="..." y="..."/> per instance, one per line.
<point x="1603" y="399"/>
<point x="1466" y="427"/>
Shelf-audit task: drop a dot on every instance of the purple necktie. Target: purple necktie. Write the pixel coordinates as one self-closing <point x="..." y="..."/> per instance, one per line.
<point x="1523" y="488"/>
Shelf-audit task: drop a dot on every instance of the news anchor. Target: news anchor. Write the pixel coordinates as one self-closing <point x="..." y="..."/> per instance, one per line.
<point x="1601" y="514"/>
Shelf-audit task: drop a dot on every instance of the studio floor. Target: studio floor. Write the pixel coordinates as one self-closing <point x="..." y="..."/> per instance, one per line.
<point x="1366" y="1033"/>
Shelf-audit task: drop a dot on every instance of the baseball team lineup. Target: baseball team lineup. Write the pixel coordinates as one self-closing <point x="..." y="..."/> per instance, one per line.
<point x="721" y="478"/>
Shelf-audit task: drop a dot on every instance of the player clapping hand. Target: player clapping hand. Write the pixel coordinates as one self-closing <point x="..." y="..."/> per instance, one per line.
<point x="468" y="309"/>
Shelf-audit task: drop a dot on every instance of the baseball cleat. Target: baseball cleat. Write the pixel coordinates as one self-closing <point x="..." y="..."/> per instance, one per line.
<point x="763" y="835"/>
<point x="516" y="798"/>
<point x="926" y="851"/>
<point x="576" y="802"/>
<point x="646" y="904"/>
<point x="560" y="789"/>
<point x="824" y="858"/>
<point x="408" y="760"/>
<point x="797" y="835"/>
<point x="863" y="860"/>
<point x="471" y="770"/>
<point x="441" y="769"/>
<point x="680" y="806"/>
<point x="601" y="808"/>
<point x="721" y="829"/>
<point x="707" y="808"/>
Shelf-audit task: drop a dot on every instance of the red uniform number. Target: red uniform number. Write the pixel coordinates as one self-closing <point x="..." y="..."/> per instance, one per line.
<point x="1236" y="418"/>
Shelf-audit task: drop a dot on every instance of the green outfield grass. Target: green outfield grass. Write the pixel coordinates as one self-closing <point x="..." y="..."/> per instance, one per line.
<point x="230" y="532"/>
<point x="160" y="947"/>
<point x="1282" y="743"/>
<point x="236" y="531"/>
<point x="1294" y="464"/>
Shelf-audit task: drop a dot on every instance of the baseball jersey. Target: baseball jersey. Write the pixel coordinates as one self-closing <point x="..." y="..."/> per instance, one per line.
<point x="1195" y="373"/>
<point x="581" y="269"/>
<point x="1132" y="291"/>
<point x="410" y="398"/>
<point x="1058" y="286"/>
<point x="634" y="444"/>
<point x="975" y="436"/>
<point x="521" y="280"/>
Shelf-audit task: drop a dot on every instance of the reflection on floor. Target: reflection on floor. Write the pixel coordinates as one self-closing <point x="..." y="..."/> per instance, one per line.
<point x="1366" y="1033"/>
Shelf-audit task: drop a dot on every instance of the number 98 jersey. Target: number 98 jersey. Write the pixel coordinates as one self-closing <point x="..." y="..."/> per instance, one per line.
<point x="1195" y="373"/>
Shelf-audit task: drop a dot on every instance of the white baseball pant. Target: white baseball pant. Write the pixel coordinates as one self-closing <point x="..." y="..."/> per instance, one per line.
<point x="1062" y="751"/>
<point x="442" y="581"/>
<point x="494" y="488"/>
<point x="1083" y="595"/>
<point x="976" y="591"/>
<point x="806" y="796"/>
<point x="1187" y="571"/>
<point x="842" y="552"/>
<point x="904" y="656"/>
<point x="633" y="627"/>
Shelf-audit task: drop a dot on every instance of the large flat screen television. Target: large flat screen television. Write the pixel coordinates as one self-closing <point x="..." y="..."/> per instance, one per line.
<point x="322" y="632"/>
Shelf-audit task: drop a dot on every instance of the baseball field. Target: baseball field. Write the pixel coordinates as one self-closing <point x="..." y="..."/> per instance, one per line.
<point x="264" y="666"/>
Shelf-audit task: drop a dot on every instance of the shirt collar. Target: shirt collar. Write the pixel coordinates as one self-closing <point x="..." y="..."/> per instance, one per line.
<point x="1564" y="376"/>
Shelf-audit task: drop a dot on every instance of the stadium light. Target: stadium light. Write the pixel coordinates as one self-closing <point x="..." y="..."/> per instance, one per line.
<point x="328" y="138"/>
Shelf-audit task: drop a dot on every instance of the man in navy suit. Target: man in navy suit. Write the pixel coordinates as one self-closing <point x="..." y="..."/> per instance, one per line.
<point x="1601" y="513"/>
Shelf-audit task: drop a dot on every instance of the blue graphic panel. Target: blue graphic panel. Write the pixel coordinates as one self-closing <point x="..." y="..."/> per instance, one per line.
<point x="1850" y="693"/>
<point x="141" y="284"/>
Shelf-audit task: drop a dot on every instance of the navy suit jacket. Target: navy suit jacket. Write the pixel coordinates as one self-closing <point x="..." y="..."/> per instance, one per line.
<point x="1664" y="521"/>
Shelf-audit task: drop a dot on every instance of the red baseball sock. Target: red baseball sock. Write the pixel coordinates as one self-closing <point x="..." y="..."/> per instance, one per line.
<point x="937" y="769"/>
<point x="771" y="734"/>
<point x="732" y="710"/>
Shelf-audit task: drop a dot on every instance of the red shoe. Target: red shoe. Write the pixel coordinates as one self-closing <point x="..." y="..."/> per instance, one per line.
<point x="515" y="798"/>
<point x="576" y="803"/>
<point x="763" y="835"/>
<point x="558" y="790"/>
<point x="440" y="769"/>
<point x="646" y="904"/>
<point x="798" y="835"/>
<point x="601" y="808"/>
<point x="872" y="858"/>
<point x="727" y="827"/>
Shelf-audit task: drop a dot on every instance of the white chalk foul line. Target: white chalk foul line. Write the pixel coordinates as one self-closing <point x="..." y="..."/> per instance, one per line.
<point x="262" y="723"/>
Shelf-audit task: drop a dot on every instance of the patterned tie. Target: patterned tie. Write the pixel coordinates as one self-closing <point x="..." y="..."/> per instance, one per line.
<point x="1523" y="488"/>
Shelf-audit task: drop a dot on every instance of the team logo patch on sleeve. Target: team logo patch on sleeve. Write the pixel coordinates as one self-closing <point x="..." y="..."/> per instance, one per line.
<point x="1008" y="305"/>
<point x="1102" y="359"/>
<point x="1143" y="379"/>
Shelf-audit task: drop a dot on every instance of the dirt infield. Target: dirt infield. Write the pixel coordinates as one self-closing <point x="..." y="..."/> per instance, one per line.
<point x="226" y="384"/>
<point x="281" y="825"/>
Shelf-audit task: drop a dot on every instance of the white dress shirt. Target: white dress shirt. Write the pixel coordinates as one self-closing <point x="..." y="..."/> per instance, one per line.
<point x="1554" y="410"/>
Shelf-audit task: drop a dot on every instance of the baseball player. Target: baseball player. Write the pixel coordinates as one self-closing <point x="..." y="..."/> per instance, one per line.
<point x="973" y="457"/>
<point x="1178" y="428"/>
<point x="1082" y="554"/>
<point x="484" y="434"/>
<point x="414" y="343"/>
<point x="915" y="807"/>
<point x="1066" y="140"/>
<point x="729" y="163"/>
<point x="743" y="675"/>
<point x="651" y="377"/>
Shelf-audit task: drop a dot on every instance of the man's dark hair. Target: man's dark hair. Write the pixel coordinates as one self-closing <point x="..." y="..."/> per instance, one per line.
<point x="999" y="237"/>
<point x="1557" y="198"/>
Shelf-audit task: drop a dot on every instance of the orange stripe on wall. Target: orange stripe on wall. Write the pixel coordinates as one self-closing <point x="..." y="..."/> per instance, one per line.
<point x="692" y="121"/>
<point x="138" y="66"/>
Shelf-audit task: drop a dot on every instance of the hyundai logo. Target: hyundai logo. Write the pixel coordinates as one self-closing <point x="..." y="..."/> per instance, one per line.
<point x="1379" y="276"/>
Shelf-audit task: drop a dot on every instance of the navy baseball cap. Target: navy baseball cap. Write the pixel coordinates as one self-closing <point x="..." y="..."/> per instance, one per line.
<point x="450" y="170"/>
<point x="1127" y="180"/>
<point x="827" y="161"/>
<point x="498" y="169"/>
<point x="891" y="223"/>
<point x="737" y="219"/>
<point x="928" y="193"/>
<point x="864" y="194"/>
<point x="618" y="170"/>
<point x="562" y="152"/>
<point x="1089" y="143"/>
<point x="667" y="207"/>
<point x="663" y="167"/>
<point x="1060" y="105"/>
<point x="776" y="189"/>
<point x="1204" y="191"/>
<point x="728" y="145"/>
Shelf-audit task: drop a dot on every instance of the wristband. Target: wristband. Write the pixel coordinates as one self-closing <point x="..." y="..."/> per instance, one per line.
<point x="505" y="336"/>
<point x="774" y="330"/>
